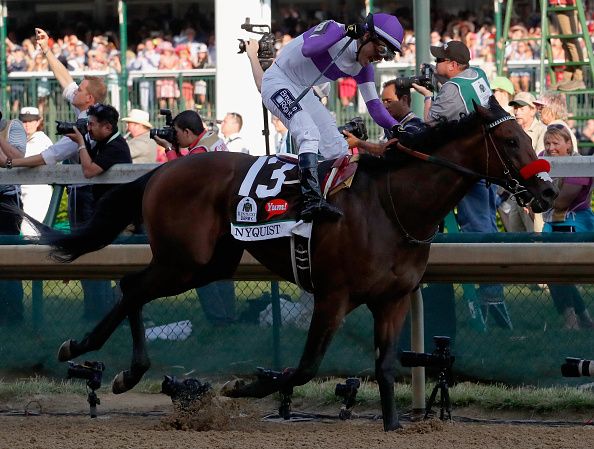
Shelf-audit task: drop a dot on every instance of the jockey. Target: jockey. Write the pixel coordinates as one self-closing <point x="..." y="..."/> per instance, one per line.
<point x="325" y="53"/>
<point x="191" y="135"/>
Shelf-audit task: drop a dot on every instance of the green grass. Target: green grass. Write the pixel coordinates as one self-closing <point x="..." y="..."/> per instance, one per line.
<point x="321" y="392"/>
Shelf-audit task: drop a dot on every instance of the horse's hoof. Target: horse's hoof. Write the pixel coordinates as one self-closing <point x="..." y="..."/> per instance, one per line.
<point x="392" y="426"/>
<point x="65" y="353"/>
<point x="232" y="388"/>
<point x="118" y="386"/>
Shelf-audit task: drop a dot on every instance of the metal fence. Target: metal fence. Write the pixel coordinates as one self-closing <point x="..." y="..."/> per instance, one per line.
<point x="182" y="340"/>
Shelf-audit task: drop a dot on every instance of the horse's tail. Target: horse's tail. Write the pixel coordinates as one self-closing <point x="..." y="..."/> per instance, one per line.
<point x="116" y="209"/>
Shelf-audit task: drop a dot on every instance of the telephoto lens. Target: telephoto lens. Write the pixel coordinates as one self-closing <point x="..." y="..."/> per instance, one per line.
<point x="574" y="367"/>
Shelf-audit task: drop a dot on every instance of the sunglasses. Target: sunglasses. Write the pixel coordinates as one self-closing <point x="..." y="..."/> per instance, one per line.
<point x="440" y="60"/>
<point x="557" y="126"/>
<point x="384" y="51"/>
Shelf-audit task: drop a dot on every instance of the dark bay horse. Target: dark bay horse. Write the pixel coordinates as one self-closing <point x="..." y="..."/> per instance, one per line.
<point x="375" y="255"/>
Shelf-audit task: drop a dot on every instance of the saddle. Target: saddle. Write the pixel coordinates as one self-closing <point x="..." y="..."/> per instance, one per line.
<point x="268" y="203"/>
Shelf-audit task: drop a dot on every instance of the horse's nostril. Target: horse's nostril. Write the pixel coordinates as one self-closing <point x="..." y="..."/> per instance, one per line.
<point x="549" y="193"/>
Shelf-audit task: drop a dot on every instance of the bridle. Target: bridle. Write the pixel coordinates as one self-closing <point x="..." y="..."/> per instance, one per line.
<point x="508" y="181"/>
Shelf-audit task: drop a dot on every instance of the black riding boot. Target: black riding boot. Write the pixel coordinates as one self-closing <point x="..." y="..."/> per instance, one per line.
<point x="314" y="206"/>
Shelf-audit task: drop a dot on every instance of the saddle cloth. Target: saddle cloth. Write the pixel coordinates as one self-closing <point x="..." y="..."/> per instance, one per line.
<point x="268" y="202"/>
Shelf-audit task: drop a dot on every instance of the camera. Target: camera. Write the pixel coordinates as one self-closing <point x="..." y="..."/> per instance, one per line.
<point x="92" y="372"/>
<point x="184" y="392"/>
<point x="348" y="392"/>
<point x="168" y="131"/>
<point x="348" y="389"/>
<point x="426" y="79"/>
<point x="574" y="367"/>
<point x="439" y="358"/>
<point x="356" y="127"/>
<point x="266" y="49"/>
<point x="68" y="127"/>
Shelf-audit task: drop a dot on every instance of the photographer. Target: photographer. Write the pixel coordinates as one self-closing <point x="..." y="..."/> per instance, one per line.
<point x="476" y="212"/>
<point x="217" y="298"/>
<point x="97" y="294"/>
<point x="110" y="148"/>
<point x="464" y="84"/>
<point x="397" y="103"/>
<point x="325" y="53"/>
<point x="91" y="90"/>
<point x="189" y="134"/>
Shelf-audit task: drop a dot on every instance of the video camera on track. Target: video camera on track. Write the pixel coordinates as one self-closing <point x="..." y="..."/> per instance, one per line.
<point x="266" y="49"/>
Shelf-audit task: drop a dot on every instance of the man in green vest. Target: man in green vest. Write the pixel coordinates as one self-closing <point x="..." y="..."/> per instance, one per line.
<point x="477" y="210"/>
<point x="464" y="84"/>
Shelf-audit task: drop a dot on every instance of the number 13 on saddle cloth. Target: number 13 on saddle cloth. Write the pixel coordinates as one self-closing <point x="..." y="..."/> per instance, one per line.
<point x="269" y="199"/>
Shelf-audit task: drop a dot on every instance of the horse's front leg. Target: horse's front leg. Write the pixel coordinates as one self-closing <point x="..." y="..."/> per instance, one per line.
<point x="126" y="380"/>
<point x="388" y="317"/>
<point x="328" y="313"/>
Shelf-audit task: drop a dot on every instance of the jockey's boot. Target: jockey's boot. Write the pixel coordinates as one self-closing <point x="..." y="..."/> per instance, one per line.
<point x="314" y="205"/>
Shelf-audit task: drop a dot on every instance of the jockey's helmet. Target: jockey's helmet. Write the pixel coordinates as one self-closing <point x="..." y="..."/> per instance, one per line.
<point x="387" y="28"/>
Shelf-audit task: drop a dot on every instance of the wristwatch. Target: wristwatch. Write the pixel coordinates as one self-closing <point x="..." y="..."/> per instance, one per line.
<point x="8" y="163"/>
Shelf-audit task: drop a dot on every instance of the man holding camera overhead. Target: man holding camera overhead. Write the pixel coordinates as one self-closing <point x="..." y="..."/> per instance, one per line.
<point x="90" y="91"/>
<point x="325" y="53"/>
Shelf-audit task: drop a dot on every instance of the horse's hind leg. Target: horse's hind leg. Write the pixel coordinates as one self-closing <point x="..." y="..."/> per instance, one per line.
<point x="388" y="317"/>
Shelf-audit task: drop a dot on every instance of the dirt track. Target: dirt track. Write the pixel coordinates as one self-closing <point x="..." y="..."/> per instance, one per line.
<point x="114" y="429"/>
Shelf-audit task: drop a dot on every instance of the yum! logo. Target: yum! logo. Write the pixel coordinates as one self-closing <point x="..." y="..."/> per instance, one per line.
<point x="276" y="207"/>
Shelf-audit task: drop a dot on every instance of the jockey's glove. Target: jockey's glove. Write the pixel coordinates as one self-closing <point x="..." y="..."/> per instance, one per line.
<point x="355" y="30"/>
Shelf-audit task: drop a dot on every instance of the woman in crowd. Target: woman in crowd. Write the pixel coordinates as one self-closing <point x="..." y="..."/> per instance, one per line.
<point x="571" y="212"/>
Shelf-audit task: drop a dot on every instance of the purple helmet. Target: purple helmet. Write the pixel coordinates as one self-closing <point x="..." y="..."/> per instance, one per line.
<point x="387" y="28"/>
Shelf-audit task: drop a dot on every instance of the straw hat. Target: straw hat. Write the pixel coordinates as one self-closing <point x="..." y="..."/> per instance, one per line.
<point x="138" y="116"/>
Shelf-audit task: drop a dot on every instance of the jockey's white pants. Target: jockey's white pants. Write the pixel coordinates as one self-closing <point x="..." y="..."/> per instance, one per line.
<point x="311" y="125"/>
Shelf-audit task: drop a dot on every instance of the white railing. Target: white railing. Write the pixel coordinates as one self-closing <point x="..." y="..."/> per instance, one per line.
<point x="568" y="166"/>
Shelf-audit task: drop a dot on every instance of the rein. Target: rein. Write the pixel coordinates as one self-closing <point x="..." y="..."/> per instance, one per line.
<point x="508" y="182"/>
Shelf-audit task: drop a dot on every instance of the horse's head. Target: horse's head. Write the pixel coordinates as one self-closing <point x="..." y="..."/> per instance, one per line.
<point x="511" y="161"/>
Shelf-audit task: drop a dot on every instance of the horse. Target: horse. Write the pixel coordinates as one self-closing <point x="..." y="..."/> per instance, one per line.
<point x="375" y="255"/>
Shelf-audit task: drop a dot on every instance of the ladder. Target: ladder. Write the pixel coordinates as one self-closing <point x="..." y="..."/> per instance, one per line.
<point x="546" y="37"/>
<point x="547" y="64"/>
<point x="580" y="102"/>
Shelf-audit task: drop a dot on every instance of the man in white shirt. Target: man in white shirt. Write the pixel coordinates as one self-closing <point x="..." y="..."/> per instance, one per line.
<point x="36" y="198"/>
<point x="230" y="127"/>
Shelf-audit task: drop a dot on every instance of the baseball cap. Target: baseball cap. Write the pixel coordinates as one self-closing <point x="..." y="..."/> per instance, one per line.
<point x="523" y="99"/>
<point x="28" y="114"/>
<point x="541" y="101"/>
<point x="453" y="50"/>
<point x="502" y="83"/>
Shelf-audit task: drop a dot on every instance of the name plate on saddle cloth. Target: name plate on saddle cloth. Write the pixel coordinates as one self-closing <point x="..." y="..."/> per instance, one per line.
<point x="268" y="203"/>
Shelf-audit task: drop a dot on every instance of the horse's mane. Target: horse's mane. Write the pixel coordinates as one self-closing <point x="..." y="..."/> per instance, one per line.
<point x="430" y="139"/>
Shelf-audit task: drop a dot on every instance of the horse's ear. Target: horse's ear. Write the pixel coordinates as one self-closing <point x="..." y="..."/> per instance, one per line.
<point x="482" y="111"/>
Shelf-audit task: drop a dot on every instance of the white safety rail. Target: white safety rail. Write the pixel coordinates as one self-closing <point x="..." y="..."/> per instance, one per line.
<point x="72" y="174"/>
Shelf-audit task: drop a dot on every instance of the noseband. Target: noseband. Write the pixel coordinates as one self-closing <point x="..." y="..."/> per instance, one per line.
<point x="508" y="181"/>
